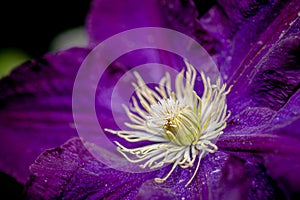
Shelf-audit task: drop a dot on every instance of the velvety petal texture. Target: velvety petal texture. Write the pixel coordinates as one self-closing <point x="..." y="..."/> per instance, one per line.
<point x="237" y="26"/>
<point x="107" y="18"/>
<point x="256" y="53"/>
<point x="71" y="172"/>
<point x="245" y="42"/>
<point x="274" y="138"/>
<point x="256" y="46"/>
<point x="271" y="72"/>
<point x="35" y="109"/>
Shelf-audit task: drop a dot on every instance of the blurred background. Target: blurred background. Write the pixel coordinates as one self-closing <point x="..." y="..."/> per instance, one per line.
<point x="33" y="27"/>
<point x="30" y="29"/>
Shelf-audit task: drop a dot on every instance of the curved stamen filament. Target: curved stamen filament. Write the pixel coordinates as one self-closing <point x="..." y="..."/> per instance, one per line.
<point x="196" y="170"/>
<point x="182" y="126"/>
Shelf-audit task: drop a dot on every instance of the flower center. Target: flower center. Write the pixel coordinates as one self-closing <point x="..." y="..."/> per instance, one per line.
<point x="176" y="120"/>
<point x="180" y="125"/>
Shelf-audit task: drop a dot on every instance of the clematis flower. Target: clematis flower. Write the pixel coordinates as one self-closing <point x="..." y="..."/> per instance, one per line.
<point x="256" y="47"/>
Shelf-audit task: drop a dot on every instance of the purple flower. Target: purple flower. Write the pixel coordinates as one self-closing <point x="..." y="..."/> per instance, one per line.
<point x="256" y="46"/>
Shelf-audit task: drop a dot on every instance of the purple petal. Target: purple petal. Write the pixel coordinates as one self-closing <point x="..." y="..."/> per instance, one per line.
<point x="256" y="53"/>
<point x="280" y="155"/>
<point x="35" y="109"/>
<point x="220" y="176"/>
<point x="246" y="179"/>
<point x="271" y="136"/>
<point x="284" y="164"/>
<point x="280" y="79"/>
<point x="264" y="119"/>
<point x="288" y="114"/>
<point x="276" y="141"/>
<point x="236" y="26"/>
<point x="204" y="186"/>
<point x="250" y="119"/>
<point x="71" y="172"/>
<point x="269" y="74"/>
<point x="108" y="18"/>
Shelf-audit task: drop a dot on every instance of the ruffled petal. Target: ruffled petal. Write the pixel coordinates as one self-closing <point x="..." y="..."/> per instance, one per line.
<point x="35" y="109"/>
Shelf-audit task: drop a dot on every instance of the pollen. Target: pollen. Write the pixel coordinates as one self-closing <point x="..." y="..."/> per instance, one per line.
<point x="180" y="126"/>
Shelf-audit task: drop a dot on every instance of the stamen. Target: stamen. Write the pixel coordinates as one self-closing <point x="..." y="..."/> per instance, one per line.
<point x="178" y="122"/>
<point x="196" y="170"/>
<point x="160" y="180"/>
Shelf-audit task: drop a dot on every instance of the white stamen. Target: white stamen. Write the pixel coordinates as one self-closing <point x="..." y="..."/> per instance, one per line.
<point x="180" y="124"/>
